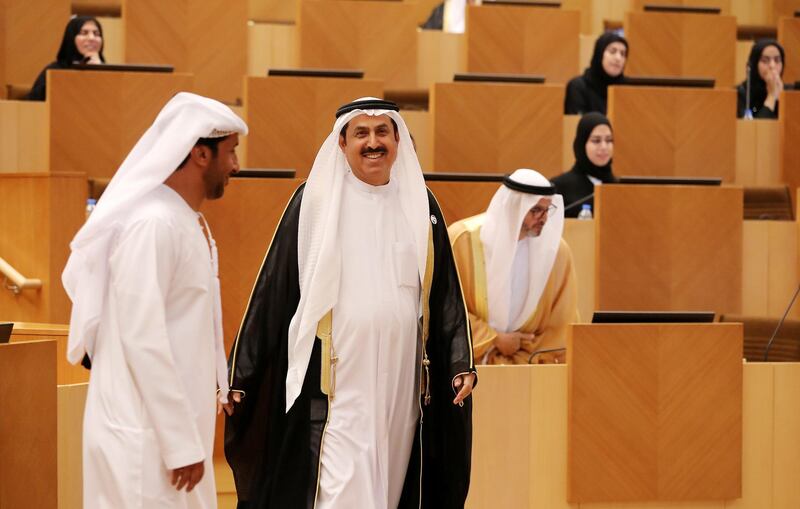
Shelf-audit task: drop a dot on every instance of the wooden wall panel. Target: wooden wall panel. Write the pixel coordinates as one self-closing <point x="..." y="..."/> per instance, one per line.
<point x="769" y="268"/>
<point x="24" y="142"/>
<point x="460" y="200"/>
<point x="523" y="40"/>
<point x="376" y="37"/>
<point x="71" y="403"/>
<point x="725" y="5"/>
<point x="654" y="253"/>
<point x="289" y="118"/>
<point x="671" y="44"/>
<point x="440" y="55"/>
<point x="646" y="421"/>
<point x="21" y="56"/>
<point x="270" y="46"/>
<point x="580" y="235"/>
<point x="674" y="131"/>
<point x="789" y="134"/>
<point x="757" y="153"/>
<point x="782" y="8"/>
<point x="48" y="211"/>
<point x="28" y="457"/>
<point x="205" y="37"/>
<point x="789" y="37"/>
<point x="785" y="489"/>
<point x="66" y="373"/>
<point x="497" y="127"/>
<point x="95" y="131"/>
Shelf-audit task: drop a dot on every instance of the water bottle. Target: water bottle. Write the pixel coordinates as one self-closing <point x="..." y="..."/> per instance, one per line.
<point x="90" y="204"/>
<point x="586" y="211"/>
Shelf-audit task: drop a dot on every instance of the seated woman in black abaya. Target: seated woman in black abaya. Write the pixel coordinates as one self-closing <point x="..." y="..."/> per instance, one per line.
<point x="593" y="147"/>
<point x="589" y="91"/>
<point x="765" y="71"/>
<point x="82" y="43"/>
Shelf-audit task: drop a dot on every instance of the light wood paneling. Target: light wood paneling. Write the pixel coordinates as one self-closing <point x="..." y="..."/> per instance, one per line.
<point x="788" y="136"/>
<point x="440" y="55"/>
<point x="99" y="116"/>
<point x="289" y="117"/>
<point x="28" y="458"/>
<point x="24" y="142"/>
<point x="783" y="8"/>
<point x="48" y="211"/>
<point x="460" y="200"/>
<point x="377" y="37"/>
<point x="66" y="373"/>
<point x="113" y="39"/>
<point x="789" y="37"/>
<point x="207" y="38"/>
<point x="769" y="268"/>
<point x="22" y="56"/>
<point x="674" y="131"/>
<point x="646" y="421"/>
<point x="580" y="235"/>
<point x="672" y="44"/>
<point x="419" y="125"/>
<point x="497" y="127"/>
<point x="243" y="223"/>
<point x="725" y="5"/>
<point x="523" y="40"/>
<point x="272" y="11"/>
<point x="570" y="130"/>
<point x="270" y="46"/>
<point x="655" y="253"/>
<point x="71" y="402"/>
<point x="786" y="459"/>
<point x="757" y="153"/>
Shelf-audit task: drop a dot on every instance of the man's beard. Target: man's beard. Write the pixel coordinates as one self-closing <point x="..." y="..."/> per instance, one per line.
<point x="215" y="187"/>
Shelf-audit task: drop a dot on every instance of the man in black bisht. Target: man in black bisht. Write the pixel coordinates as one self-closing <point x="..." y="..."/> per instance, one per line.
<point x="353" y="364"/>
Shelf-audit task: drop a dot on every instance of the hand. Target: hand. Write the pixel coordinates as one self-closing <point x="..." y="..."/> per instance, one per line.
<point x="236" y="396"/>
<point x="93" y="58"/>
<point x="774" y="84"/>
<point x="465" y="382"/>
<point x="509" y="343"/>
<point x="187" y="476"/>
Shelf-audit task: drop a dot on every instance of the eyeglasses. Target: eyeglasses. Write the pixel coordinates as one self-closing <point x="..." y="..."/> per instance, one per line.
<point x="538" y="211"/>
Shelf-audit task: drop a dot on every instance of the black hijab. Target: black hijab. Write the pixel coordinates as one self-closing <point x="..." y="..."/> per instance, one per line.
<point x="595" y="76"/>
<point x="582" y="163"/>
<point x="758" y="87"/>
<point x="68" y="52"/>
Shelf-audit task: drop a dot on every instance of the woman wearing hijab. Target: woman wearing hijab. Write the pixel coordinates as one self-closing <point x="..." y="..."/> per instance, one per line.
<point x="82" y="42"/>
<point x="589" y="92"/>
<point x="764" y="68"/>
<point x="593" y="148"/>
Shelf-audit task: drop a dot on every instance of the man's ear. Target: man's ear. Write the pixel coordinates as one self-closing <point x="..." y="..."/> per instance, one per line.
<point x="201" y="155"/>
<point x="342" y="142"/>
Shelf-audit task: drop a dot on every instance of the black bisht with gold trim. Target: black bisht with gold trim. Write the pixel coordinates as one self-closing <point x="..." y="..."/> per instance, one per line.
<point x="275" y="455"/>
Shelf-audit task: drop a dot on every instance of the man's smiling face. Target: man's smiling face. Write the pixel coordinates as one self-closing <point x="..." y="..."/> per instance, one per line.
<point x="370" y="144"/>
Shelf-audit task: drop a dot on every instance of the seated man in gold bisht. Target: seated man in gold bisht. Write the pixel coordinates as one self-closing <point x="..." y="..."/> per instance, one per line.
<point x="517" y="273"/>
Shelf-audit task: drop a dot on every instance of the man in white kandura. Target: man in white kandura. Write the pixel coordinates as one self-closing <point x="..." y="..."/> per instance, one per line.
<point x="147" y="317"/>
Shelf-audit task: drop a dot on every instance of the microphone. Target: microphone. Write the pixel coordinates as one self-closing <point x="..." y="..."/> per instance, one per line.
<point x="578" y="202"/>
<point x="546" y="350"/>
<point x="748" y="112"/>
<point x="775" y="332"/>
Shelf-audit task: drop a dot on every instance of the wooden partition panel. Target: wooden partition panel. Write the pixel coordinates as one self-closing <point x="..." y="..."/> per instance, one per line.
<point x="71" y="403"/>
<point x="523" y="40"/>
<point x="377" y="37"/>
<point x="655" y="412"/>
<point x="460" y="200"/>
<point x="725" y="5"/>
<point x="97" y="117"/>
<point x="28" y="457"/>
<point x="497" y="127"/>
<point x="672" y="44"/>
<point x="789" y="137"/>
<point x="45" y="212"/>
<point x="21" y="56"/>
<point x="207" y="38"/>
<point x="243" y="223"/>
<point x="289" y="118"/>
<point x="66" y="373"/>
<point x="663" y="248"/>
<point x="757" y="153"/>
<point x="674" y="131"/>
<point x="24" y="140"/>
<point x="789" y="37"/>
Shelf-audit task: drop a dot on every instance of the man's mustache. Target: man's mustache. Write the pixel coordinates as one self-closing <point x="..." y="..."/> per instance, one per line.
<point x="379" y="150"/>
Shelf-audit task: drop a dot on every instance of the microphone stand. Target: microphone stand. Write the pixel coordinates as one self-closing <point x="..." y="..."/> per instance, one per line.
<point x="748" y="112"/>
<point x="775" y="332"/>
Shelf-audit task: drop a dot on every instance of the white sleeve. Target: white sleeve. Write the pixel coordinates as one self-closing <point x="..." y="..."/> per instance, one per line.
<point x="142" y="267"/>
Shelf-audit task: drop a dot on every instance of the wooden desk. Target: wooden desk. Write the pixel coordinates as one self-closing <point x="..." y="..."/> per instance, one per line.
<point x="66" y="373"/>
<point x="523" y="40"/>
<point x="23" y="55"/>
<point x="725" y="5"/>
<point x="789" y="134"/>
<point x="672" y="44"/>
<point x="673" y="131"/>
<point x="379" y="38"/>
<point x="757" y="153"/>
<point x="28" y="457"/>
<point x="46" y="211"/>
<point x="497" y="127"/>
<point x="789" y="37"/>
<point x="207" y="38"/>
<point x="668" y="248"/>
<point x="96" y="117"/>
<point x="289" y="117"/>
<point x="24" y="142"/>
